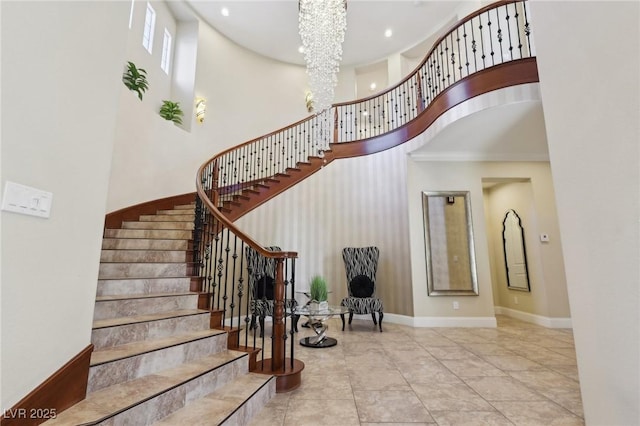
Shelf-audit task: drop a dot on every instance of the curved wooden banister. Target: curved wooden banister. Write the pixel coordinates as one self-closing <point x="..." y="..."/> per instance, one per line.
<point x="509" y="74"/>
<point x="446" y="32"/>
<point x="487" y="50"/>
<point x="229" y="224"/>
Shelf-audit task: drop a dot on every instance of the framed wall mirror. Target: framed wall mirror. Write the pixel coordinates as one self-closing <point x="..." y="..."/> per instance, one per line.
<point x="448" y="236"/>
<point x="515" y="253"/>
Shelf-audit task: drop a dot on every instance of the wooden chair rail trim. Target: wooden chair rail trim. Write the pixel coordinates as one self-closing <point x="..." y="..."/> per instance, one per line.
<point x="64" y="388"/>
<point x="114" y="219"/>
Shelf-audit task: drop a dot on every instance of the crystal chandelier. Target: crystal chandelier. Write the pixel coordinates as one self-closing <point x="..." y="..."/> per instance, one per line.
<point x="322" y="24"/>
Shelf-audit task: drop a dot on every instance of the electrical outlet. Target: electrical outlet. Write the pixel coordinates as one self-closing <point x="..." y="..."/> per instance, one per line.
<point x="456" y="305"/>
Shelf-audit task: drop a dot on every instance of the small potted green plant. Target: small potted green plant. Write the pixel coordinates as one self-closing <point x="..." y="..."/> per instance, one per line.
<point x="171" y="111"/>
<point x="318" y="293"/>
<point x="135" y="79"/>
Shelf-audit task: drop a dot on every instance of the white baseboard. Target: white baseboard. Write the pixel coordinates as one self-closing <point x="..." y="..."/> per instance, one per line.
<point x="488" y="322"/>
<point x="485" y="322"/>
<point x="534" y="319"/>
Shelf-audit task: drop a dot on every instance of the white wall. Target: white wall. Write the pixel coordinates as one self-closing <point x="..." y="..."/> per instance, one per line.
<point x="247" y="96"/>
<point x="351" y="202"/>
<point x="61" y="75"/>
<point x="445" y="176"/>
<point x="590" y="91"/>
<point x="545" y="262"/>
<point x="534" y="202"/>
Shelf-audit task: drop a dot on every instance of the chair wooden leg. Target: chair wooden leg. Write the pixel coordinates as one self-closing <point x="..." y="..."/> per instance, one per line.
<point x="342" y="318"/>
<point x="380" y="315"/>
<point x="373" y="315"/>
<point x="261" y="321"/>
<point x="350" y="317"/>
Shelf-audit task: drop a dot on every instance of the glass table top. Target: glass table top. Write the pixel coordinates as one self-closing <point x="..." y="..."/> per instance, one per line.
<point x="329" y="311"/>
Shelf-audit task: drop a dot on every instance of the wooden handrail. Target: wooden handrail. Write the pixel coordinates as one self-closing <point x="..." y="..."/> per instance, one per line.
<point x="446" y="32"/>
<point x="438" y="84"/>
<point x="228" y="224"/>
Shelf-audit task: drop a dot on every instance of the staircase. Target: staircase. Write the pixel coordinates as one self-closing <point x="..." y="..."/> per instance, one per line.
<point x="236" y="201"/>
<point x="157" y="358"/>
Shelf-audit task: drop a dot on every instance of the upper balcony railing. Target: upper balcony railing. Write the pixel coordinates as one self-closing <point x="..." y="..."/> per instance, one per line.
<point x="497" y="34"/>
<point x="487" y="50"/>
<point x="494" y="35"/>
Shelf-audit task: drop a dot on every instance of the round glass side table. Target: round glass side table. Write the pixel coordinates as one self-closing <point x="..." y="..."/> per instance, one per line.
<point x="318" y="323"/>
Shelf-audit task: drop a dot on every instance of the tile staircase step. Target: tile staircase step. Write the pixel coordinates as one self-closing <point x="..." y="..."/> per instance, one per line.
<point x="116" y="306"/>
<point x="142" y="270"/>
<point x="167" y="217"/>
<point x="147" y="399"/>
<point x="158" y="225"/>
<point x="177" y="212"/>
<point x="129" y="361"/>
<point x="235" y="404"/>
<point x="132" y="286"/>
<point x="191" y="206"/>
<point x="154" y="351"/>
<point x="118" y="331"/>
<point x="143" y="244"/>
<point x="165" y="234"/>
<point x="127" y="256"/>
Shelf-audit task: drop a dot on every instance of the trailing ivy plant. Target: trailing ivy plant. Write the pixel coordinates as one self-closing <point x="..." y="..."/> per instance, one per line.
<point x="171" y="111"/>
<point x="135" y="79"/>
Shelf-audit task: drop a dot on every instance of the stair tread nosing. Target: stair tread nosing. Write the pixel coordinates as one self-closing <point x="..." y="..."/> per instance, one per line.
<point x="109" y="401"/>
<point x="110" y="297"/>
<point x="164" y="234"/>
<point x="219" y="406"/>
<point x="128" y="350"/>
<point x="158" y="226"/>
<point x="139" y="250"/>
<point x="136" y="319"/>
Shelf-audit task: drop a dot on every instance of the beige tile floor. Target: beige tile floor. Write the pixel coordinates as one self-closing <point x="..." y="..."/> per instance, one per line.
<point x="515" y="374"/>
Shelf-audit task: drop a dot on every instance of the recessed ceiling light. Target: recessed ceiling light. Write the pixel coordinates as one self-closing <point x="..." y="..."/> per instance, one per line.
<point x="388" y="33"/>
<point x="372" y="86"/>
<point x="224" y="11"/>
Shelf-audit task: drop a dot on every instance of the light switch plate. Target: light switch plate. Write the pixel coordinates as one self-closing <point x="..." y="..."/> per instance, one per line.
<point x="24" y="199"/>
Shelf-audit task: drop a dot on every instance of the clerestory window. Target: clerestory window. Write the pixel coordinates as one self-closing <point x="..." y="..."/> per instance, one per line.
<point x="149" y="28"/>
<point x="166" y="52"/>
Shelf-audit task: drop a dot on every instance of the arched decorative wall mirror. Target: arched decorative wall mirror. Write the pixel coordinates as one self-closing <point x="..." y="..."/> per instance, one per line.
<point x="448" y="236"/>
<point x="515" y="254"/>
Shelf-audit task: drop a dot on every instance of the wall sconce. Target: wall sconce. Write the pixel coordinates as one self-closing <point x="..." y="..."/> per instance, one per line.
<point x="201" y="109"/>
<point x="308" y="98"/>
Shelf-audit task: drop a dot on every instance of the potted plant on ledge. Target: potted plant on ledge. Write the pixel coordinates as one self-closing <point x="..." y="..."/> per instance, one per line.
<point x="318" y="292"/>
<point x="135" y="79"/>
<point x="171" y="111"/>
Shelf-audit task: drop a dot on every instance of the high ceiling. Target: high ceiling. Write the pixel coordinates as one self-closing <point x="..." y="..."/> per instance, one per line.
<point x="270" y="27"/>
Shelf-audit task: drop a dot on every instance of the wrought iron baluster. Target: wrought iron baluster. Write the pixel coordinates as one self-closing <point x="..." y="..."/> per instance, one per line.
<point x="489" y="23"/>
<point x="481" y="41"/>
<point x="527" y="28"/>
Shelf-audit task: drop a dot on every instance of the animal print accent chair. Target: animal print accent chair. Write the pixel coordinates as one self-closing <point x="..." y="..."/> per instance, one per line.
<point x="361" y="265"/>
<point x="262" y="273"/>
